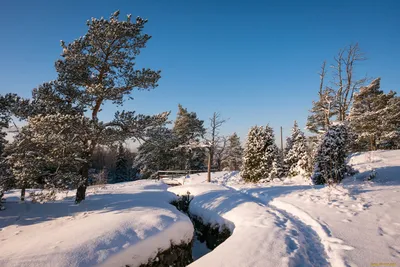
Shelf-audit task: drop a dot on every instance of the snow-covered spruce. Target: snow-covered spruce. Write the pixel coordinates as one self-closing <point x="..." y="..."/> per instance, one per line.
<point x="277" y="170"/>
<point x="296" y="158"/>
<point x="259" y="154"/>
<point x="330" y="159"/>
<point x="234" y="153"/>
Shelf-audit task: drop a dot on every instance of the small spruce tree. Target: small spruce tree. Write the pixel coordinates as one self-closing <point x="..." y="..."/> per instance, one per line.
<point x="234" y="153"/>
<point x="295" y="161"/>
<point x="330" y="158"/>
<point x="121" y="165"/>
<point x="277" y="165"/>
<point x="259" y="154"/>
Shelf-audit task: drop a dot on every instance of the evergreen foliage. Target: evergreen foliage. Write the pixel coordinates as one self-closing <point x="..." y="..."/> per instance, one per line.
<point x="234" y="154"/>
<point x="121" y="165"/>
<point x="296" y="158"/>
<point x="330" y="159"/>
<point x="375" y="118"/>
<point x="259" y="154"/>
<point x="189" y="130"/>
<point x="96" y="68"/>
<point x="277" y="170"/>
<point x="158" y="152"/>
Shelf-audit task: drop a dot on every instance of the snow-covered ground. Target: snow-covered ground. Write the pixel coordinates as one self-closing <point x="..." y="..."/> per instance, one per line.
<point x="281" y="223"/>
<point x="291" y="223"/>
<point x="117" y="225"/>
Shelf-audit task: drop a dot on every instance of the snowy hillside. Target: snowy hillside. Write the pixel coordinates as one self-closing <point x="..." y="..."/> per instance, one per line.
<point x="117" y="225"/>
<point x="292" y="223"/>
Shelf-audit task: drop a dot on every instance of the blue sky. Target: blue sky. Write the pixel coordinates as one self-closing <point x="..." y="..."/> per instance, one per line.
<point x="255" y="62"/>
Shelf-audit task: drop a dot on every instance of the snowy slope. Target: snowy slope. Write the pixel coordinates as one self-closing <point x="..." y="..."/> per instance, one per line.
<point x="117" y="225"/>
<point x="291" y="222"/>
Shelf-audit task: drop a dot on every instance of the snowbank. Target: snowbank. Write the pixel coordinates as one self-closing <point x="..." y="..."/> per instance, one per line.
<point x="116" y="225"/>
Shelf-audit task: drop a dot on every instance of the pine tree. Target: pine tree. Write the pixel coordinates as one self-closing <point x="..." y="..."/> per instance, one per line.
<point x="188" y="129"/>
<point x="296" y="159"/>
<point x="158" y="152"/>
<point x="96" y="68"/>
<point x="374" y="117"/>
<point x="6" y="178"/>
<point x="391" y="136"/>
<point x="121" y="165"/>
<point x="10" y="105"/>
<point x="48" y="152"/>
<point x="330" y="158"/>
<point x="234" y="153"/>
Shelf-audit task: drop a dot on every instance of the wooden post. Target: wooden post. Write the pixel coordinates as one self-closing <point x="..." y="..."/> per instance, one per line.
<point x="281" y="140"/>
<point x="209" y="167"/>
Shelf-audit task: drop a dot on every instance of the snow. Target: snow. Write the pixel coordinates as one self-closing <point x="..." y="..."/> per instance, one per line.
<point x="285" y="222"/>
<point x="289" y="222"/>
<point x="116" y="225"/>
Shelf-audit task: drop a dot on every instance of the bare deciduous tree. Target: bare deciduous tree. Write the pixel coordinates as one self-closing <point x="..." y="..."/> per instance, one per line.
<point x="324" y="108"/>
<point x="216" y="121"/>
<point x="220" y="152"/>
<point x="336" y="100"/>
<point x="344" y="78"/>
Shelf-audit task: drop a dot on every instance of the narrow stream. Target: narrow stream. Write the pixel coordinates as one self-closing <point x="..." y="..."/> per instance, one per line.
<point x="206" y="236"/>
<point x="199" y="249"/>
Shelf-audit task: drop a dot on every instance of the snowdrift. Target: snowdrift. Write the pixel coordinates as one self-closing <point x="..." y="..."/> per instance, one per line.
<point x="118" y="225"/>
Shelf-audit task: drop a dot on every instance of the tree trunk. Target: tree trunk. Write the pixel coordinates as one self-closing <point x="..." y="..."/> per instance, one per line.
<point x="81" y="190"/>
<point x="372" y="142"/>
<point x="23" y="193"/>
<point x="209" y="168"/>
<point x="212" y="155"/>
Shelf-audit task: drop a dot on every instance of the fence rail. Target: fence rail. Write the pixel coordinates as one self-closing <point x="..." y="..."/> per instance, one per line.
<point x="177" y="173"/>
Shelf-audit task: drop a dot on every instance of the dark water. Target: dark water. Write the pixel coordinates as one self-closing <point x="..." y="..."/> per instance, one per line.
<point x="199" y="249"/>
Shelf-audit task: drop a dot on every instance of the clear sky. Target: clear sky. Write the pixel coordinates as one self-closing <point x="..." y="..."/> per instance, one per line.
<point x="255" y="62"/>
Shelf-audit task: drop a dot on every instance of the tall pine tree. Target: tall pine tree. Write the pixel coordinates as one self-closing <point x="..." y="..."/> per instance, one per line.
<point x="97" y="68"/>
<point x="188" y="129"/>
<point x="374" y="117"/>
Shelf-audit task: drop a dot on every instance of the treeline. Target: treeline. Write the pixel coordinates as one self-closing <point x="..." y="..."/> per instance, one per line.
<point x="113" y="164"/>
<point x="187" y="145"/>
<point x="350" y="115"/>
